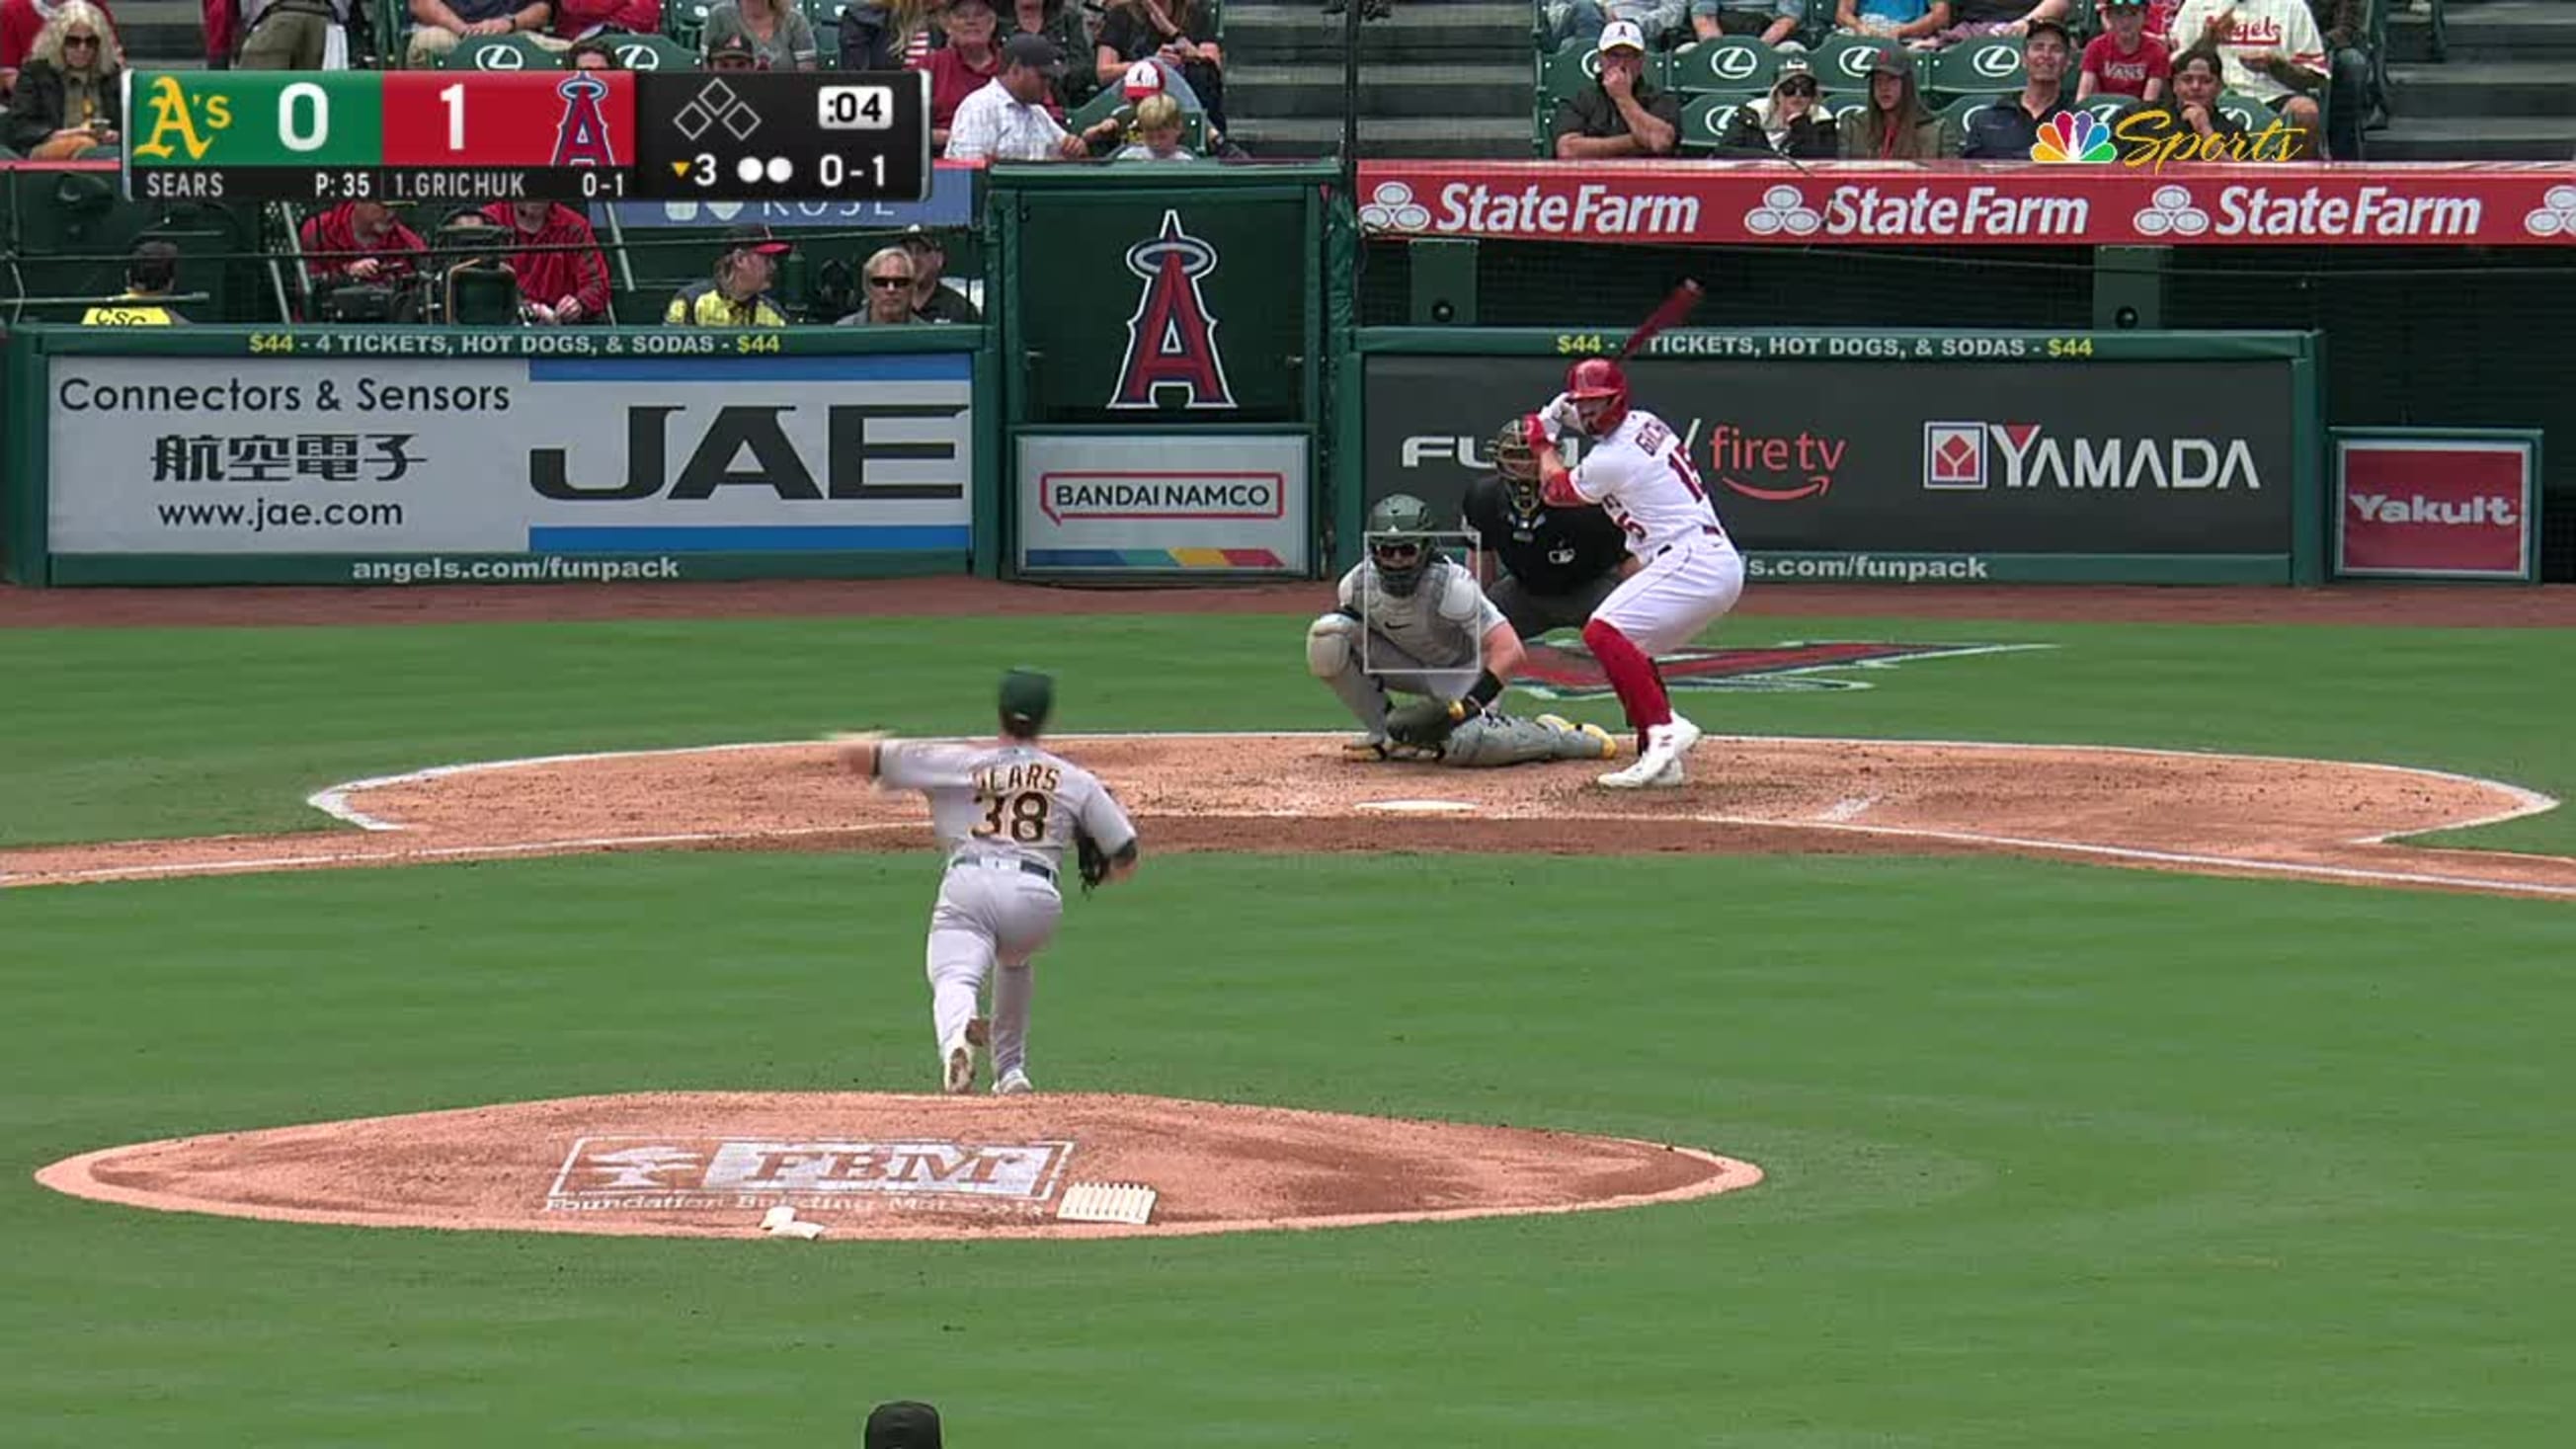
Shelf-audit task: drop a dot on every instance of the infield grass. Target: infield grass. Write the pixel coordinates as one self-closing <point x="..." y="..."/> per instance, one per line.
<point x="2058" y="1156"/>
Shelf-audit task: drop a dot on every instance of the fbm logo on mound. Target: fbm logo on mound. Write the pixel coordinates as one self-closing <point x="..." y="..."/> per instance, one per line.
<point x="646" y="1173"/>
<point x="1553" y="673"/>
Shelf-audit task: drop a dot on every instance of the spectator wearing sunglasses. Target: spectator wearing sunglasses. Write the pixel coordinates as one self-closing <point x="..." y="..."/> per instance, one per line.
<point x="1791" y="121"/>
<point x="69" y="96"/>
<point x="889" y="282"/>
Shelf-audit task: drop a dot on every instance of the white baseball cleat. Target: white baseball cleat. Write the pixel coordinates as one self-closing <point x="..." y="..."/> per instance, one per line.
<point x="1681" y="732"/>
<point x="958" y="1063"/>
<point x="1013" y="1083"/>
<point x="1649" y="773"/>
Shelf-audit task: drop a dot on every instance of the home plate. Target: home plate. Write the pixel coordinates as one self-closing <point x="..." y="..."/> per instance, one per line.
<point x="1418" y="807"/>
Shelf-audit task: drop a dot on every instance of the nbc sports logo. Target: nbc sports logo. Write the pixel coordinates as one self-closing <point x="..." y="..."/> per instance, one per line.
<point x="1954" y="455"/>
<point x="2074" y="136"/>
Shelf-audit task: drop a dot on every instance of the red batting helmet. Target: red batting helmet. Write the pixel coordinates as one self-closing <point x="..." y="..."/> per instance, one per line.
<point x="1600" y="390"/>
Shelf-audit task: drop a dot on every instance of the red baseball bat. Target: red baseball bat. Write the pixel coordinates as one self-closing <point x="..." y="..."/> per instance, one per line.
<point x="1669" y="314"/>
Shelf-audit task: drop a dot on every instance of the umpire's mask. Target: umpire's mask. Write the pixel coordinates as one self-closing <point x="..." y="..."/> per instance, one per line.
<point x="1397" y="546"/>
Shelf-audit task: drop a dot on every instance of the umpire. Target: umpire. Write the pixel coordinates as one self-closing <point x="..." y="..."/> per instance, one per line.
<point x="1557" y="564"/>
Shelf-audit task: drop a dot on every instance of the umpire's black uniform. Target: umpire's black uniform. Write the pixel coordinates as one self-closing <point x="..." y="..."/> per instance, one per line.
<point x="1558" y="563"/>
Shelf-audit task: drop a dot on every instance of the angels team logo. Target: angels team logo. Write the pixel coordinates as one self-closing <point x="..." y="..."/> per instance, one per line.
<point x="581" y="137"/>
<point x="1171" y="339"/>
<point x="1553" y="673"/>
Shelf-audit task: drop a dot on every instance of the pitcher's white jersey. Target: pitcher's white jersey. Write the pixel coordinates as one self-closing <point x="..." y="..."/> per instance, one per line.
<point x="1441" y="624"/>
<point x="1012" y="801"/>
<point x="1641" y="475"/>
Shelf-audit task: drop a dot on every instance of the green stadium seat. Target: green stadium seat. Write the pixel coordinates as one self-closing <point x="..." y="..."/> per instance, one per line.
<point x="2109" y="108"/>
<point x="653" y="52"/>
<point x="1733" y="63"/>
<point x="1842" y="62"/>
<point x="1954" y="120"/>
<point x="1704" y="119"/>
<point x="1988" y="67"/>
<point x="2248" y="112"/>
<point x="501" y="52"/>
<point x="685" y="20"/>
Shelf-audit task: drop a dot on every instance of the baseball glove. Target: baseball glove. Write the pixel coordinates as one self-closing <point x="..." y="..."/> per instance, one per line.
<point x="1425" y="724"/>
<point x="1090" y="861"/>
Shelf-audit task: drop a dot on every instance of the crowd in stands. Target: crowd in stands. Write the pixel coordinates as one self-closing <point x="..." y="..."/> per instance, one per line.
<point x="2293" y="79"/>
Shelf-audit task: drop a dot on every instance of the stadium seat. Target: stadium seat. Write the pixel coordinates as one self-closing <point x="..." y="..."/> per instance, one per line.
<point x="1988" y="67"/>
<point x="2248" y="112"/>
<point x="1704" y="120"/>
<point x="1842" y="61"/>
<point x="686" y="20"/>
<point x="652" y="52"/>
<point x="2081" y="20"/>
<point x="2108" y="108"/>
<point x="501" y="52"/>
<point x="1732" y="63"/>
<point x="1954" y="120"/>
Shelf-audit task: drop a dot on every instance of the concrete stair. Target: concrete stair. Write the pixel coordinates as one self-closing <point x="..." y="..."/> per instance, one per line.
<point x="162" y="34"/>
<point x="1437" y="79"/>
<point x="2507" y="92"/>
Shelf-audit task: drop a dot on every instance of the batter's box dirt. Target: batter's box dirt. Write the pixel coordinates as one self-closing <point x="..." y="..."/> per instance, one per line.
<point x="870" y="1165"/>
<point x="2162" y="810"/>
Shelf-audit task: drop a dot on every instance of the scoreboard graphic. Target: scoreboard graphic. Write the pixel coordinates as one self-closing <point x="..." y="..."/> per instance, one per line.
<point x="483" y="136"/>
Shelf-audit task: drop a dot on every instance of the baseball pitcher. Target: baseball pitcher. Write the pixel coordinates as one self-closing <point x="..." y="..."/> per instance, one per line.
<point x="1004" y="811"/>
<point x="1415" y="622"/>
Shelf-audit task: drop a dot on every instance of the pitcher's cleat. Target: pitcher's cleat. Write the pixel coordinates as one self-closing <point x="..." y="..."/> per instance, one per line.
<point x="1013" y="1083"/>
<point x="958" y="1074"/>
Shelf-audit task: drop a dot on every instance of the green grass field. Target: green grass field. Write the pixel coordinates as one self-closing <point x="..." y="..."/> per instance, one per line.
<point x="2057" y="1155"/>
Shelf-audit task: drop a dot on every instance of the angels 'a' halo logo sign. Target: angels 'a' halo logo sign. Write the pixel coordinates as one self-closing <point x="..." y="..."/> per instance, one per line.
<point x="581" y="137"/>
<point x="1171" y="338"/>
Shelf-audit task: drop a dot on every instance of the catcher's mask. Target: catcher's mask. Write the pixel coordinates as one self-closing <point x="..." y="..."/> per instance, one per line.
<point x="1396" y="545"/>
<point x="1514" y="459"/>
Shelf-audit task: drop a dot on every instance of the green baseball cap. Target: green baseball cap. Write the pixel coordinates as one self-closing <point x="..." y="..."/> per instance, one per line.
<point x="1027" y="698"/>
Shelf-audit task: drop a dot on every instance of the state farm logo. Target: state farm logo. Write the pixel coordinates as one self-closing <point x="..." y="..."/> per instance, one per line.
<point x="1391" y="207"/>
<point x="1783" y="212"/>
<point x="1775" y="469"/>
<point x="609" y="1174"/>
<point x="1957" y="456"/>
<point x="2556" y="215"/>
<point x="2169" y="212"/>
<point x="2487" y="510"/>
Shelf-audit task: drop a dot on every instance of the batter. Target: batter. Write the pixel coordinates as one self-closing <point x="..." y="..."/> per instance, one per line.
<point x="1688" y="572"/>
<point x="1005" y="811"/>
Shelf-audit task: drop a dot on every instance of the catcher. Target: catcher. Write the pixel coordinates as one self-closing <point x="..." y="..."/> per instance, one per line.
<point x="1004" y="811"/>
<point x="1415" y="622"/>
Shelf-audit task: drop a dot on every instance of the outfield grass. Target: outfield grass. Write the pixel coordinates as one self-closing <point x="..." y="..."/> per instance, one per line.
<point x="176" y="732"/>
<point x="2057" y="1156"/>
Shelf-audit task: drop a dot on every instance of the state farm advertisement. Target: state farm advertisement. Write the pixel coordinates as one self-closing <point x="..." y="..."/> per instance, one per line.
<point x="2410" y="504"/>
<point x="1970" y="203"/>
<point x="1900" y="456"/>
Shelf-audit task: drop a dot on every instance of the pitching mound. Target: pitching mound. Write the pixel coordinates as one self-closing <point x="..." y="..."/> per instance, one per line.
<point x="869" y="1165"/>
<point x="2163" y="810"/>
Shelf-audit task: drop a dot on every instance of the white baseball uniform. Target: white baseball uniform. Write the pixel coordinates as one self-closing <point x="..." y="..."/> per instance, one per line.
<point x="1006" y="813"/>
<point x="1428" y="642"/>
<point x="1641" y="475"/>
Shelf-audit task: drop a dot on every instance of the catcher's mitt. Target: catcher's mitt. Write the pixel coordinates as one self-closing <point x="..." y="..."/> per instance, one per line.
<point x="1425" y="724"/>
<point x="1090" y="861"/>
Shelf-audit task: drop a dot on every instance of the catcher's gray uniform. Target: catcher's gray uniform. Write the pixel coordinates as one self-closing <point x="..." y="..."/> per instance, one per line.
<point x="1430" y="642"/>
<point x="1006" y="813"/>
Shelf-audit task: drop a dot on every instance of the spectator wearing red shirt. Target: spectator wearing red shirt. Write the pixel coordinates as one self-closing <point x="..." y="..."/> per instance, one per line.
<point x="359" y="241"/>
<point x="20" y="20"/>
<point x="965" y="65"/>
<point x="2124" y="60"/>
<point x="562" y="277"/>
<point x="575" y="19"/>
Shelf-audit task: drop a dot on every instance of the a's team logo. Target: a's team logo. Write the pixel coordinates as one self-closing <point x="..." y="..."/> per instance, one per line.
<point x="1954" y="455"/>
<point x="2074" y="136"/>
<point x="1171" y="339"/>
<point x="176" y="121"/>
<point x="1553" y="673"/>
<point x="2169" y="212"/>
<point x="582" y="136"/>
